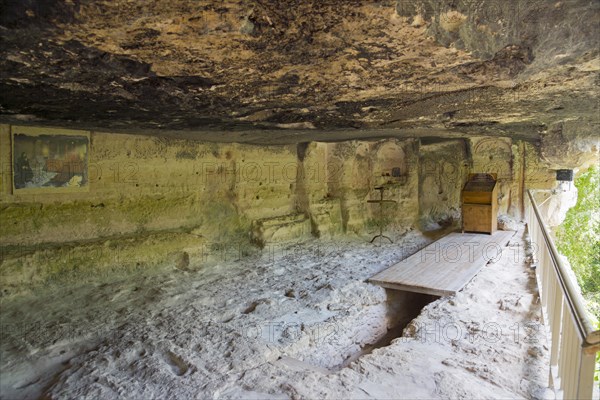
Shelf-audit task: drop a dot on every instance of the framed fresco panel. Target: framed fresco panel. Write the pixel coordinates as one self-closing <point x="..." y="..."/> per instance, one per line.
<point x="49" y="160"/>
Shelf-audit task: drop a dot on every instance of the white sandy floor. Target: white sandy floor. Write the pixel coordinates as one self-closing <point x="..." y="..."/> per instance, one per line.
<point x="279" y="325"/>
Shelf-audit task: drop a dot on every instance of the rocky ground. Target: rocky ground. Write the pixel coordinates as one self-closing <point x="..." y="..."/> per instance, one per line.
<point x="294" y="322"/>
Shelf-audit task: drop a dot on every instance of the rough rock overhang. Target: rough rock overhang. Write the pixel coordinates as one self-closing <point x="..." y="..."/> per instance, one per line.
<point x="284" y="71"/>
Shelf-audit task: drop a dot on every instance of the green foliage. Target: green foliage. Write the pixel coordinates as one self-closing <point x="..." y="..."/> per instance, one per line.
<point x="578" y="238"/>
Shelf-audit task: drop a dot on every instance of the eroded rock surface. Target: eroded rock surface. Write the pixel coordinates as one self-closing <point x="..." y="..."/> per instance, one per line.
<point x="287" y="65"/>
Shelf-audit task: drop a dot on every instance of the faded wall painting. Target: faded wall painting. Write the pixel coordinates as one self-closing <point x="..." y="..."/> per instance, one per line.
<point x="47" y="162"/>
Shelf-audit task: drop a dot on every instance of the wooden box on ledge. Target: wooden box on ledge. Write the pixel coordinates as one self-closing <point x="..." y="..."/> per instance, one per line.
<point x="480" y="204"/>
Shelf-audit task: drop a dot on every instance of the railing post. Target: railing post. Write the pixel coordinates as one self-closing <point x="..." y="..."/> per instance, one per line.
<point x="585" y="382"/>
<point x="555" y="325"/>
<point x="563" y="350"/>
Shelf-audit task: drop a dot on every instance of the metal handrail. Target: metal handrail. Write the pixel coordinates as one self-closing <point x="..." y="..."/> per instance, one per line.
<point x="588" y="335"/>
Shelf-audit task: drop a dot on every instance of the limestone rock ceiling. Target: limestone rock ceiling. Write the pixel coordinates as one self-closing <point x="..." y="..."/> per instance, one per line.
<point x="295" y="66"/>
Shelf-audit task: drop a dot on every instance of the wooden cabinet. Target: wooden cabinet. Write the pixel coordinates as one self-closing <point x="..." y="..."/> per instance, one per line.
<point x="480" y="204"/>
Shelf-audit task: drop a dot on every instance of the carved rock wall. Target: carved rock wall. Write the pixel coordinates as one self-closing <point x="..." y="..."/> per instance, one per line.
<point x="154" y="201"/>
